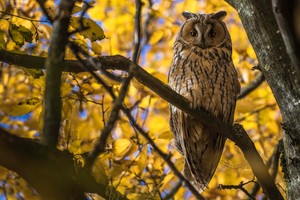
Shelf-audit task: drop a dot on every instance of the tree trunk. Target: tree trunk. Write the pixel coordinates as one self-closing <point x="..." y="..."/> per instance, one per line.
<point x="264" y="35"/>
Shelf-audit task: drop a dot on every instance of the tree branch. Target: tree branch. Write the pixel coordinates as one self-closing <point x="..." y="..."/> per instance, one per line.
<point x="50" y="171"/>
<point x="238" y="187"/>
<point x="173" y="191"/>
<point x="162" y="155"/>
<point x="236" y="133"/>
<point x="251" y="86"/>
<point x="137" y="31"/>
<point x="59" y="39"/>
<point x="272" y="165"/>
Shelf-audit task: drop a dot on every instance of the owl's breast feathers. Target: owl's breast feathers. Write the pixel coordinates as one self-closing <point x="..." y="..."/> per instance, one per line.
<point x="209" y="80"/>
<point x="210" y="83"/>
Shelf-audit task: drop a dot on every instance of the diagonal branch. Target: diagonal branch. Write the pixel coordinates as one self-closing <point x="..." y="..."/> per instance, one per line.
<point x="162" y="154"/>
<point x="272" y="165"/>
<point x="251" y="86"/>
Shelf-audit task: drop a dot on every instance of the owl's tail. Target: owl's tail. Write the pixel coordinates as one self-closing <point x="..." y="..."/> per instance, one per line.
<point x="202" y="150"/>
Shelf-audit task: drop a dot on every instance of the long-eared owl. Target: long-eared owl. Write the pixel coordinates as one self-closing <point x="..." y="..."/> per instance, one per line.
<point x="203" y="72"/>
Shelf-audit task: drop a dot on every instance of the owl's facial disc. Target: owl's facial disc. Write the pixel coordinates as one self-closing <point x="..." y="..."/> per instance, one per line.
<point x="204" y="33"/>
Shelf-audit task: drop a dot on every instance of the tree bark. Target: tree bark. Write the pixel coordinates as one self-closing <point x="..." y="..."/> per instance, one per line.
<point x="264" y="35"/>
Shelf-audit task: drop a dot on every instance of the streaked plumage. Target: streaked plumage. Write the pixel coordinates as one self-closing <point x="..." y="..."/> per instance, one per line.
<point x="202" y="71"/>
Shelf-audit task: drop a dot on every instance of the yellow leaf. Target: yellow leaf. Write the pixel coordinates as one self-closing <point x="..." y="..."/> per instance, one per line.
<point x="121" y="147"/>
<point x="25" y="106"/>
<point x="96" y="48"/>
<point x="142" y="160"/>
<point x="156" y="37"/>
<point x="157" y="125"/>
<point x="166" y="135"/>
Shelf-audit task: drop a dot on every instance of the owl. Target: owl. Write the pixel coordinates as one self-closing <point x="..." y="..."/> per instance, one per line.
<point x="202" y="71"/>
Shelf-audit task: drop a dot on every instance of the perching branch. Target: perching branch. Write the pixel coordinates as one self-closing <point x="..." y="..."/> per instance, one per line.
<point x="236" y="133"/>
<point x="272" y="165"/>
<point x="59" y="39"/>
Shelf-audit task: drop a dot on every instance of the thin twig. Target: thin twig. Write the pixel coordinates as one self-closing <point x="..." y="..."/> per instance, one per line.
<point x="137" y="31"/>
<point x="114" y="115"/>
<point x="42" y="6"/>
<point x="164" y="156"/>
<point x="238" y="187"/>
<point x="251" y="86"/>
<point x="25" y="18"/>
<point x="255" y="111"/>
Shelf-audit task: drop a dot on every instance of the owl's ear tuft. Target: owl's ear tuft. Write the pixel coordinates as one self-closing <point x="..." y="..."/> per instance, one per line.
<point x="188" y="15"/>
<point x="220" y="15"/>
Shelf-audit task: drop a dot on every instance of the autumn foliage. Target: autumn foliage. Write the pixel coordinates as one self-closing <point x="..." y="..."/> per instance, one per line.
<point x="129" y="164"/>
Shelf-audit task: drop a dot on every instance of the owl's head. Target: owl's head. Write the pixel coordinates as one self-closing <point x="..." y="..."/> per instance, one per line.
<point x="204" y="30"/>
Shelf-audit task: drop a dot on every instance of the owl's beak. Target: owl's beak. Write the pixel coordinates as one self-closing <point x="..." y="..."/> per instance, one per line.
<point x="201" y="44"/>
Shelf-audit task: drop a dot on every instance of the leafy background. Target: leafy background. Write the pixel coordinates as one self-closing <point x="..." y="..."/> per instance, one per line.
<point x="130" y="164"/>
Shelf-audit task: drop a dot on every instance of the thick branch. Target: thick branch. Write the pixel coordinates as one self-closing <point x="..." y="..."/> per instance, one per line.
<point x="237" y="134"/>
<point x="272" y="165"/>
<point x="59" y="39"/>
<point x="50" y="171"/>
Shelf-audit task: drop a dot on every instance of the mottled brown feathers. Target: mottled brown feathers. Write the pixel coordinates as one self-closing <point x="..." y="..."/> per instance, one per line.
<point x="202" y="71"/>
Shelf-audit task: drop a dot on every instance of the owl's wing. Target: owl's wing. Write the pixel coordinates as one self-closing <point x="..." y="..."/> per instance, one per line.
<point x="202" y="150"/>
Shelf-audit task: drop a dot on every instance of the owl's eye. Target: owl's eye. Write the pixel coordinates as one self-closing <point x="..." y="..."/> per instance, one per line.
<point x="194" y="33"/>
<point x="211" y="33"/>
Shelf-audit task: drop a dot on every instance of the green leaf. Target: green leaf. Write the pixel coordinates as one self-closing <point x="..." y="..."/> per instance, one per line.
<point x="94" y="32"/>
<point x="26" y="33"/>
<point x="15" y="35"/>
<point x="19" y="34"/>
